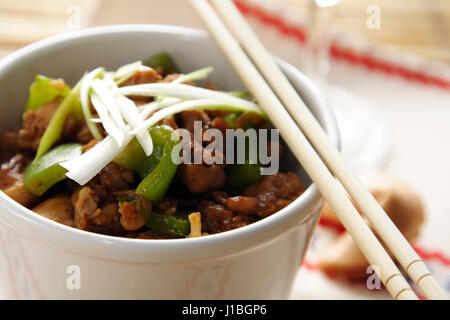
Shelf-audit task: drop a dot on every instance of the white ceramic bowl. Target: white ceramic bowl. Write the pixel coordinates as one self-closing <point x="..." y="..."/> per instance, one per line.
<point x="40" y="258"/>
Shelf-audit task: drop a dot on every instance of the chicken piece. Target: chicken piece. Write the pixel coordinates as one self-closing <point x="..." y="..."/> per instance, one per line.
<point x="147" y="75"/>
<point x="59" y="209"/>
<point x="134" y="213"/>
<point x="114" y="178"/>
<point x="188" y="118"/>
<point x="84" y="134"/>
<point x="9" y="145"/>
<point x="174" y="76"/>
<point x="200" y="178"/>
<point x="167" y="206"/>
<point x="171" y="77"/>
<point x="111" y="179"/>
<point x="170" y="121"/>
<point x="242" y="205"/>
<point x="404" y="207"/>
<point x="90" y="217"/>
<point x="275" y="192"/>
<point x="34" y="124"/>
<point x="216" y="218"/>
<point x="238" y="204"/>
<point x="11" y="180"/>
<point x="220" y="197"/>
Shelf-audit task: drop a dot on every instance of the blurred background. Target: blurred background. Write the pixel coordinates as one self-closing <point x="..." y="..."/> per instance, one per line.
<point x="383" y="65"/>
<point x="418" y="26"/>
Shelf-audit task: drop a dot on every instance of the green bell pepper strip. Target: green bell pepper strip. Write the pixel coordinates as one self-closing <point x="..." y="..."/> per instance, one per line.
<point x="162" y="61"/>
<point x="231" y="117"/>
<point x="241" y="176"/>
<point x="156" y="170"/>
<point x="177" y="225"/>
<point x="44" y="172"/>
<point x="42" y="92"/>
<point x="157" y="181"/>
<point x="132" y="157"/>
<point x="70" y="105"/>
<point x="161" y="137"/>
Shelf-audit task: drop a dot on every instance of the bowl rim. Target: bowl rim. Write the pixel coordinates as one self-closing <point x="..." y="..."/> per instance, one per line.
<point x="21" y="218"/>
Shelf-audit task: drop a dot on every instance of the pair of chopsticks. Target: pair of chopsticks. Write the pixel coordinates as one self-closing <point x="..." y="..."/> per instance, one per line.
<point x="320" y="172"/>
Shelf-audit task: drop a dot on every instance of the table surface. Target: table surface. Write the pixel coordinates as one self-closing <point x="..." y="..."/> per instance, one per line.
<point x="418" y="114"/>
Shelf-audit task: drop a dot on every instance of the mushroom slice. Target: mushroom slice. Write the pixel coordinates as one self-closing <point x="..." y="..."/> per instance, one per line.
<point x="59" y="209"/>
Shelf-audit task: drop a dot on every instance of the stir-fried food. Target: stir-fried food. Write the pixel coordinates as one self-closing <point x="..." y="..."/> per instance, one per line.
<point x="110" y="154"/>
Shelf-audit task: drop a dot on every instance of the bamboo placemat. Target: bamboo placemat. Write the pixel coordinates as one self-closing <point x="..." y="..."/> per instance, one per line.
<point x="418" y="26"/>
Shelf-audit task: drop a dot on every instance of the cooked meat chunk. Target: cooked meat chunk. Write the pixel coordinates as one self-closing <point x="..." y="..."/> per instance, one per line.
<point x="134" y="213"/>
<point x="167" y="206"/>
<point x="221" y="124"/>
<point x="71" y="128"/>
<point x="220" y="197"/>
<point x="237" y="204"/>
<point x="171" y="77"/>
<point x="90" y="217"/>
<point x="143" y="76"/>
<point x="7" y="179"/>
<point x="36" y="121"/>
<point x="13" y="169"/>
<point x="201" y="178"/>
<point x="11" y="175"/>
<point x="9" y="145"/>
<point x="96" y="207"/>
<point x="242" y="205"/>
<point x="249" y="118"/>
<point x="34" y="124"/>
<point x="111" y="179"/>
<point x="174" y="76"/>
<point x="114" y="178"/>
<point x="170" y="121"/>
<point x="216" y="218"/>
<point x="59" y="209"/>
<point x="188" y="118"/>
<point x="85" y="205"/>
<point x="273" y="145"/>
<point x="84" y="135"/>
<point x="275" y="192"/>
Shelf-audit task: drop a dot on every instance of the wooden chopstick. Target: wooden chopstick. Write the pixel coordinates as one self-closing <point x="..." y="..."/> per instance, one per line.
<point x="388" y="272"/>
<point x="384" y="227"/>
